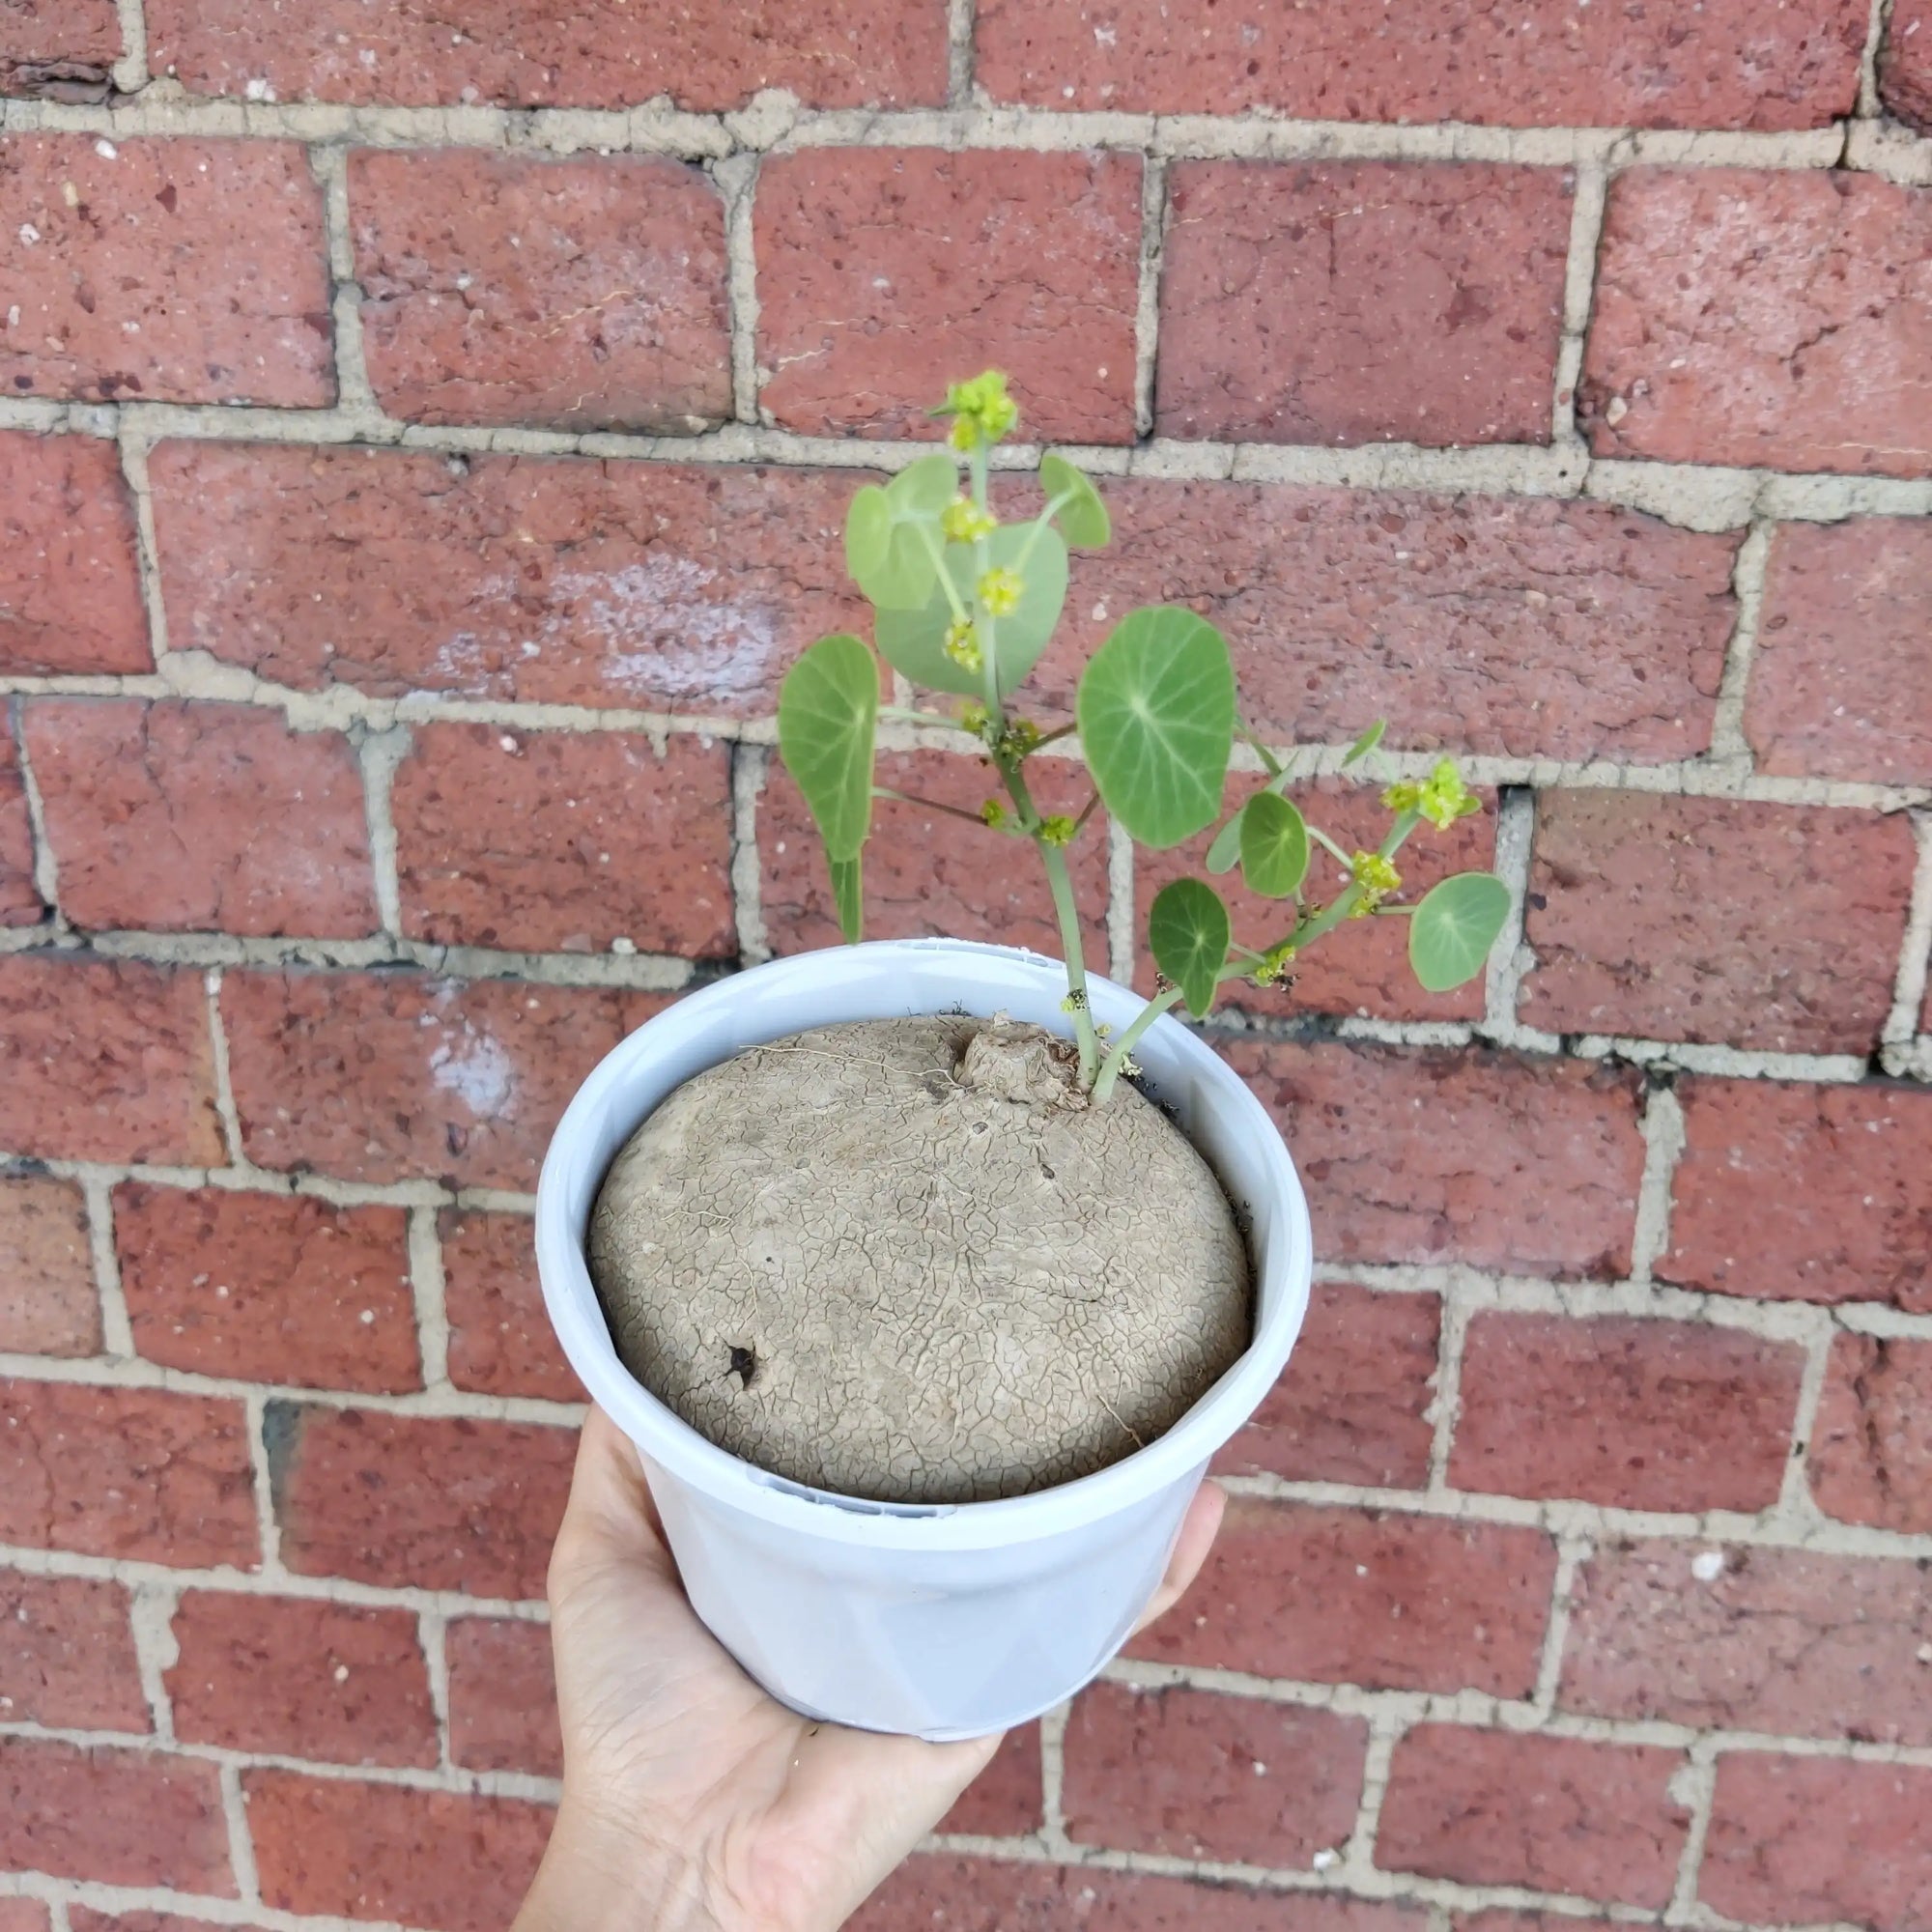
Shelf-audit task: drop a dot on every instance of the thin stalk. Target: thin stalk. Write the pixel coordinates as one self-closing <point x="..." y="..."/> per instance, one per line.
<point x="1117" y="1054"/>
<point x="1040" y="522"/>
<point x="1060" y="883"/>
<point x="1054" y="738"/>
<point x="930" y="805"/>
<point x="1321" y="838"/>
<point x="951" y="590"/>
<point x="1275" y="768"/>
<point x="1086" y="812"/>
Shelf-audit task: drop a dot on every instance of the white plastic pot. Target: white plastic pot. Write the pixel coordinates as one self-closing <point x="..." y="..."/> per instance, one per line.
<point x="944" y="1621"/>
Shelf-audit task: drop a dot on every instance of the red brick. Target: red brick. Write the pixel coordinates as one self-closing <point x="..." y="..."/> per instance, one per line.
<point x="1773" y="319"/>
<point x="587" y="294"/>
<point x="1784" y="1640"/>
<point x="1352" y="1404"/>
<point x="885" y="273"/>
<point x="1197" y="1776"/>
<point x="928" y="874"/>
<point x="1802" y="1840"/>
<point x="1905" y="64"/>
<point x="1625" y="1411"/>
<point x="304" y="1679"/>
<point x="1362" y="967"/>
<point x="434" y="1502"/>
<point x="188" y="818"/>
<point x="70" y="586"/>
<point x="1710" y="919"/>
<point x="66" y="1654"/>
<point x="502" y="1697"/>
<point x="48" y="1300"/>
<point x="59" y="50"/>
<point x="1678" y="65"/>
<point x="500" y="1341"/>
<point x="1008" y="1799"/>
<point x="530" y="53"/>
<point x="139" y="1473"/>
<point x="529" y="839"/>
<point x="1392" y="1603"/>
<point x="268" y="1287"/>
<point x="1804" y="1192"/>
<point x="164" y="272"/>
<point x="962" y="1894"/>
<point x="388" y="1076"/>
<point x="538" y="580"/>
<point x="1871" y="1446"/>
<point x="21" y="902"/>
<point x="117" y="1817"/>
<point x="449" y="1861"/>
<point x="1838" y="687"/>
<point x="1362" y="301"/>
<point x="1528" y="1166"/>
<point x="1559" y="1814"/>
<point x="29" y="1915"/>
<point x="1503" y="1921"/>
<point x="1509" y="625"/>
<point x="106" y="1060"/>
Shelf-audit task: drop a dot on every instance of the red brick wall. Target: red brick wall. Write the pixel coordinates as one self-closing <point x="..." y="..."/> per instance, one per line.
<point x="421" y="451"/>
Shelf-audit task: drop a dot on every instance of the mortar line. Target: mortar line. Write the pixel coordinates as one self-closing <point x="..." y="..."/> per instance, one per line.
<point x="430" y="1292"/>
<point x="46" y="870"/>
<point x="57" y="1893"/>
<point x="225" y="1109"/>
<point x="151" y="1613"/>
<point x="1914" y="953"/>
<point x="117" y="1332"/>
<point x="1662" y="1147"/>
<point x="1580" y="276"/>
<point x="749" y="767"/>
<point x="1869" y="107"/>
<point x="1728" y="742"/>
<point x="959" y="53"/>
<point x="1123" y="924"/>
<point x="378" y="756"/>
<point x="134" y="445"/>
<point x="1510" y="957"/>
<point x="1147" y="303"/>
<point x="1695" y="1787"/>
<point x="1052" y="1835"/>
<point x="1445" y="1405"/>
<point x="737" y="179"/>
<point x="1356" y="1864"/>
<point x="354" y="393"/>
<point x="268" y="1527"/>
<point x="130" y="73"/>
<point x="432" y="1635"/>
<point x="1794" y="1497"/>
<point x="241" y="1845"/>
<point x="1571" y="1553"/>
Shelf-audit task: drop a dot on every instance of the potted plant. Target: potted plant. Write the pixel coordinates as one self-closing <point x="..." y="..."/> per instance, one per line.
<point x="928" y="1277"/>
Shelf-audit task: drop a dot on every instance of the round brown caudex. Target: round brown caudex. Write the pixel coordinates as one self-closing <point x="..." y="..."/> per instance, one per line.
<point x="909" y="1260"/>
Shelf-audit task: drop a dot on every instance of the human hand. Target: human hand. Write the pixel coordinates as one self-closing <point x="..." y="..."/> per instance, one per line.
<point x="692" y="1801"/>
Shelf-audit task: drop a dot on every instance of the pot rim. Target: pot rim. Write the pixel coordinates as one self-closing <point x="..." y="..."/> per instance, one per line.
<point x="1281" y="1288"/>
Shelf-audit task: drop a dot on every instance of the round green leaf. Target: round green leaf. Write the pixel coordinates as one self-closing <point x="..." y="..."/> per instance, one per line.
<point x="1157" y="714"/>
<point x="923" y="487"/>
<point x="914" y="642"/>
<point x="869" y="532"/>
<point x="828" y="708"/>
<point x="1366" y="742"/>
<point x="1226" y="845"/>
<point x="1083" y="518"/>
<point x="1275" y="846"/>
<point x="1450" y="933"/>
<point x="1188" y="934"/>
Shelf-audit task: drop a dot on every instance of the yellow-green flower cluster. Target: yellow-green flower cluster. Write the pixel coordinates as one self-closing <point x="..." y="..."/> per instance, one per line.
<point x="1376" y="878"/>
<point x="1275" y="963"/>
<point x="1057" y="830"/>
<point x="1441" y="798"/>
<point x="962" y="645"/>
<point x="1000" y="590"/>
<point x="993" y="813"/>
<point x="981" y="410"/>
<point x="964" y="521"/>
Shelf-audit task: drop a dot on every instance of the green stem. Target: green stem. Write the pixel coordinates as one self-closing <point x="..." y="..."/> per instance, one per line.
<point x="1060" y="883"/>
<point x="1321" y="838"/>
<point x="1086" y="812"/>
<point x="931" y="543"/>
<point x="1052" y="737"/>
<point x="1400" y="831"/>
<point x="1039" y="522"/>
<point x="1110" y="1067"/>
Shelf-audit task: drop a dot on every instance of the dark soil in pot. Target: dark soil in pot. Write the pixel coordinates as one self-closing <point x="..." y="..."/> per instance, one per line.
<point x="908" y="1261"/>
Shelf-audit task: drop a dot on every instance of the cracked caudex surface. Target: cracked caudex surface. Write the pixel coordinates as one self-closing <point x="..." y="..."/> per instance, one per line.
<point x="782" y="1249"/>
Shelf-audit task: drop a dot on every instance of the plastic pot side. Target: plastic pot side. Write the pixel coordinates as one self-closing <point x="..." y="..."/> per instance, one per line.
<point x="946" y="1621"/>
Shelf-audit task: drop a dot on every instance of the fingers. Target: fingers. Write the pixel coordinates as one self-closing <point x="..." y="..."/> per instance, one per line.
<point x="609" y="1516"/>
<point x="1198" y="1530"/>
